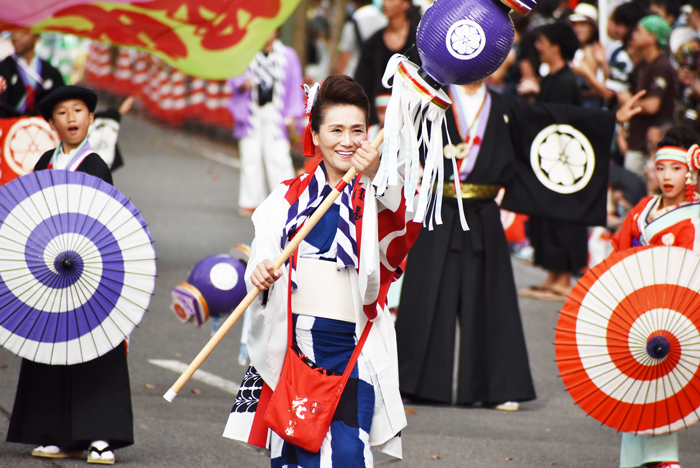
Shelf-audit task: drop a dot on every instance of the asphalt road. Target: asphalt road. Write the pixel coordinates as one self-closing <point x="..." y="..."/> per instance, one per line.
<point x="186" y="187"/>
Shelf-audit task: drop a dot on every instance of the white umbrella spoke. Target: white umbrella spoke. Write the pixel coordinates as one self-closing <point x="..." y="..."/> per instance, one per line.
<point x="86" y="295"/>
<point x="125" y="296"/>
<point x="43" y="235"/>
<point x="95" y="219"/>
<point x="38" y="253"/>
<point x="629" y="316"/>
<point x="126" y="249"/>
<point x="22" y="303"/>
<point x="52" y="214"/>
<point x="648" y="328"/>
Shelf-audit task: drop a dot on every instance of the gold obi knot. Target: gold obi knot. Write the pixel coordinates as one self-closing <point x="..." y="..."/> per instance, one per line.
<point x="471" y="191"/>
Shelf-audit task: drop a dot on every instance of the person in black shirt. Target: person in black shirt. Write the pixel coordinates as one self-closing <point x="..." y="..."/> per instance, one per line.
<point x="399" y="37"/>
<point x="27" y="78"/>
<point x="560" y="247"/>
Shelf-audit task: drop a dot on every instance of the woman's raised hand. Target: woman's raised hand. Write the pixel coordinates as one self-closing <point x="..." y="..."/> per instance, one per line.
<point x="366" y="159"/>
<point x="264" y="275"/>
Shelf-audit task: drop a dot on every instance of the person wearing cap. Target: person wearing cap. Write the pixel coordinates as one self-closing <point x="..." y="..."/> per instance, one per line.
<point x="68" y="409"/>
<point x="27" y="78"/>
<point x="588" y="60"/>
<point x="655" y="75"/>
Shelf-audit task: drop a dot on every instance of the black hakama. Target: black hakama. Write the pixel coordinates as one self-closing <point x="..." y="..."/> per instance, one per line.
<point x="71" y="406"/>
<point x="465" y="277"/>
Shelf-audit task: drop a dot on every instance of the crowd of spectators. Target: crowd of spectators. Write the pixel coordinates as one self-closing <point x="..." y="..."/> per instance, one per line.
<point x="649" y="45"/>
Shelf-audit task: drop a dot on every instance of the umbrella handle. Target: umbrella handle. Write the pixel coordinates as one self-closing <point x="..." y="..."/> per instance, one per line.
<point x="252" y="294"/>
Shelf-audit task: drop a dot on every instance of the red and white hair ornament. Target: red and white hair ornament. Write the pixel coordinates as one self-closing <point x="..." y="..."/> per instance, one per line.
<point x="691" y="178"/>
<point x="311" y="95"/>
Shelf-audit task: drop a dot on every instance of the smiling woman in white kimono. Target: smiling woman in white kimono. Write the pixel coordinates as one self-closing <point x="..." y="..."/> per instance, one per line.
<point x="338" y="284"/>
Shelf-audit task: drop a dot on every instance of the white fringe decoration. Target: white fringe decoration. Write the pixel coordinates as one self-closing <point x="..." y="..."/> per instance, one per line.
<point x="414" y="121"/>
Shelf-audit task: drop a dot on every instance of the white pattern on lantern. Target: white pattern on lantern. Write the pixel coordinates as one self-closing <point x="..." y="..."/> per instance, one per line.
<point x="465" y="39"/>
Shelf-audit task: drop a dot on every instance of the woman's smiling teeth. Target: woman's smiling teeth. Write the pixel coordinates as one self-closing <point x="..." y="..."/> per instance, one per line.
<point x="345" y="154"/>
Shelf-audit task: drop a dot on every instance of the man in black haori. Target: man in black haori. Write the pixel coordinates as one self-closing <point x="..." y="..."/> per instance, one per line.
<point x="459" y="285"/>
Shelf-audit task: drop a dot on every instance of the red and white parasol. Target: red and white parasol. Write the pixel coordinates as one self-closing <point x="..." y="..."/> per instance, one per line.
<point x="628" y="340"/>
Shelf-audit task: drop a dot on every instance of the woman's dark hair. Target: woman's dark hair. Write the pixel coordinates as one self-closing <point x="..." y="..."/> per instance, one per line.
<point x="561" y="35"/>
<point x="672" y="7"/>
<point x="547" y="8"/>
<point x="338" y="90"/>
<point x="628" y="15"/>
<point x="413" y="13"/>
<point x="682" y="137"/>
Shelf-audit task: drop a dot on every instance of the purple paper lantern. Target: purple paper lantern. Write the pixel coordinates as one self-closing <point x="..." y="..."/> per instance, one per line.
<point x="462" y="42"/>
<point x="220" y="280"/>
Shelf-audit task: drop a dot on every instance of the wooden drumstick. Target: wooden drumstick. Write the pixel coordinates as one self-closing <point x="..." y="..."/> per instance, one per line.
<point x="253" y="293"/>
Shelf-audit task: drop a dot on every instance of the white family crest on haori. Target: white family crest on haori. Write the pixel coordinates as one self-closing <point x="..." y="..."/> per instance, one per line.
<point x="102" y="136"/>
<point x="628" y="340"/>
<point x="562" y="158"/>
<point x="77" y="267"/>
<point x="465" y="39"/>
<point x="26" y="141"/>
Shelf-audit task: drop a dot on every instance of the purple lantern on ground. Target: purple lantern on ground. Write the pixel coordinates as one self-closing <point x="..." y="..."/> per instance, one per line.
<point x="214" y="288"/>
<point x="219" y="279"/>
<point x="461" y="42"/>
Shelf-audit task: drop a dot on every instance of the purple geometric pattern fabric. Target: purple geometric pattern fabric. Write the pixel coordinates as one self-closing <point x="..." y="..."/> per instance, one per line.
<point x="77" y="267"/>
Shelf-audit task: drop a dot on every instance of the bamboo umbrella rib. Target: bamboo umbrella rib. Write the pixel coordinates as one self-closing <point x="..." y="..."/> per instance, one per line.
<point x="95" y="219"/>
<point x="45" y="238"/>
<point x="38" y="253"/>
<point x="124" y="284"/>
<point x="86" y="304"/>
<point x="52" y="216"/>
<point x="632" y="315"/>
<point x="44" y="292"/>
<point x="88" y="259"/>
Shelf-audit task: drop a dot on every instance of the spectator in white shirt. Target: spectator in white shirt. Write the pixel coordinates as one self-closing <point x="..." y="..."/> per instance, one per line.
<point x="364" y="22"/>
<point x="683" y="34"/>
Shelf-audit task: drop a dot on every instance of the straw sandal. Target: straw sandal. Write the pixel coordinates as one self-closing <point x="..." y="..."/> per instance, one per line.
<point x="508" y="406"/>
<point x="104" y="456"/>
<point x="52" y="451"/>
<point x="538" y="292"/>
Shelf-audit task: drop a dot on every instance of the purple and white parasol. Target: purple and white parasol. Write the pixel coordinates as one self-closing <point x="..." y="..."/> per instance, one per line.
<point x="77" y="267"/>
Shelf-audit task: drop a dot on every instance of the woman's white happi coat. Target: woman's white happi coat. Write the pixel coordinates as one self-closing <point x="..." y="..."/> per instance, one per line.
<point x="382" y="246"/>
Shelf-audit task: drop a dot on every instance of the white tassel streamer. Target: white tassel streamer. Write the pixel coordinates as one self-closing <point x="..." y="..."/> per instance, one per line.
<point x="414" y="120"/>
